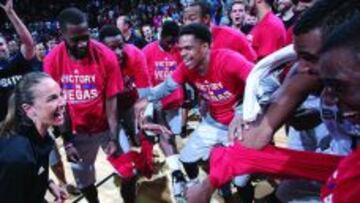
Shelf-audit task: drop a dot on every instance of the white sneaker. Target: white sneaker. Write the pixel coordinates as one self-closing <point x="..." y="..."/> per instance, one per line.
<point x="178" y="186"/>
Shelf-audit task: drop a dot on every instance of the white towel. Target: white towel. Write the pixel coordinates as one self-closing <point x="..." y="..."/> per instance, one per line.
<point x="251" y="107"/>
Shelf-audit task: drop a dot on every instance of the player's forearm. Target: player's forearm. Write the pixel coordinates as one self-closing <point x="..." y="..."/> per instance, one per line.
<point x="24" y="34"/>
<point x="111" y="113"/>
<point x="143" y="92"/>
<point x="289" y="96"/>
<point x="66" y="129"/>
<point x="162" y="90"/>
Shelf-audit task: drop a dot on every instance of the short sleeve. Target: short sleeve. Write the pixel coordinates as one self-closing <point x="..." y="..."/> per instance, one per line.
<point x="180" y="74"/>
<point x="238" y="67"/>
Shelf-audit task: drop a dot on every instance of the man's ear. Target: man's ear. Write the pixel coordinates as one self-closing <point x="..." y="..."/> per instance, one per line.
<point x="206" y="19"/>
<point x="205" y="45"/>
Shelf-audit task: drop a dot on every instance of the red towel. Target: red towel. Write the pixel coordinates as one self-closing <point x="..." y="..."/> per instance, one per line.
<point x="228" y="162"/>
<point x="127" y="164"/>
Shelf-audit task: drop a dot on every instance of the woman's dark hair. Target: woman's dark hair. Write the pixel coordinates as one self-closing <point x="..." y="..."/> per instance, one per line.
<point x="23" y="94"/>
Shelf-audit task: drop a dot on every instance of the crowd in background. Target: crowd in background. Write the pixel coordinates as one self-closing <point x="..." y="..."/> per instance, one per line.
<point x="40" y="16"/>
<point x="143" y="16"/>
<point x="238" y="57"/>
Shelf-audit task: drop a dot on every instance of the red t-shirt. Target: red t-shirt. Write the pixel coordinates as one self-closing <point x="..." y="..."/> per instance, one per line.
<point x="229" y="38"/>
<point x="344" y="185"/>
<point x="86" y="84"/>
<point x="162" y="64"/>
<point x="135" y="75"/>
<point x="222" y="87"/>
<point x="268" y="36"/>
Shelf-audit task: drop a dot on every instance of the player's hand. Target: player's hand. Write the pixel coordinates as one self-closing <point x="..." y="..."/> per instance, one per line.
<point x="235" y="128"/>
<point x="139" y="109"/>
<point x="156" y="129"/>
<point x="112" y="147"/>
<point x="72" y="154"/>
<point x="8" y="7"/>
<point x="199" y="193"/>
<point x="256" y="135"/>
<point x="59" y="193"/>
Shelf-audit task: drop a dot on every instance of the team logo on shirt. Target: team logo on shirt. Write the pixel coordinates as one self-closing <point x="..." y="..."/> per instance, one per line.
<point x="214" y="92"/>
<point x="10" y="81"/>
<point x="163" y="69"/>
<point x="79" y="88"/>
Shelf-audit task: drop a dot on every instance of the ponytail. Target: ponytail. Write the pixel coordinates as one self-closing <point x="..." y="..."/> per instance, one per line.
<point x="10" y="120"/>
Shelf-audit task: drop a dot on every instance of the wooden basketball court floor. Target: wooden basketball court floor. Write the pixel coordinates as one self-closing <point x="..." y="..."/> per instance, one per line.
<point x="155" y="190"/>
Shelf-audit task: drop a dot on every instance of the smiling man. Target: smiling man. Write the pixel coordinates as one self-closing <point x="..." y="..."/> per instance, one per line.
<point x="340" y="75"/>
<point x="222" y="37"/>
<point x="136" y="83"/>
<point x="89" y="75"/>
<point x="219" y="77"/>
<point x="163" y="58"/>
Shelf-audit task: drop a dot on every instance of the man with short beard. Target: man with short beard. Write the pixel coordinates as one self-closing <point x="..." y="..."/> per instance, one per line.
<point x="163" y="59"/>
<point x="286" y="12"/>
<point x="90" y="77"/>
<point x="222" y="37"/>
<point x="269" y="34"/>
<point x="308" y="40"/>
<point x="339" y="74"/>
<point x="136" y="83"/>
<point x="125" y="26"/>
<point x="219" y="77"/>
